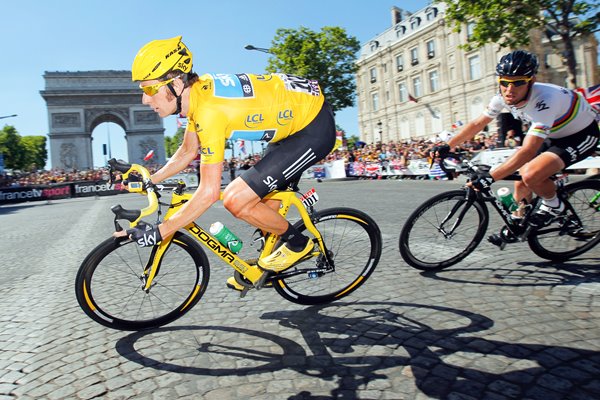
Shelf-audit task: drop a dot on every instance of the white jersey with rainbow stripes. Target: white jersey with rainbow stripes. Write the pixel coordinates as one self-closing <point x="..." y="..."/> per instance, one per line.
<point x="551" y="111"/>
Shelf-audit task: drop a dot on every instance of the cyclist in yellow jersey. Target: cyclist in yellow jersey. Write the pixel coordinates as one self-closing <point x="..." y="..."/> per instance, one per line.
<point x="286" y="111"/>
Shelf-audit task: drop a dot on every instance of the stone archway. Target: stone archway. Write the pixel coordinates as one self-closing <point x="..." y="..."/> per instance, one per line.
<point x="77" y="102"/>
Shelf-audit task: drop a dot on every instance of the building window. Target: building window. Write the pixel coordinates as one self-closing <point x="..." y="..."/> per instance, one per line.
<point x="400" y="30"/>
<point x="474" y="68"/>
<point x="452" y="73"/>
<point x="476" y="107"/>
<point x="414" y="56"/>
<point x="430" y="49"/>
<point x="402" y="93"/>
<point x="470" y="30"/>
<point x="414" y="23"/>
<point x="420" y="125"/>
<point x="374" y="45"/>
<point x="400" y="63"/>
<point x="385" y="68"/>
<point x="375" y="98"/>
<point x="431" y="13"/>
<point x="434" y="82"/>
<point x="373" y="74"/>
<point x="417" y="87"/>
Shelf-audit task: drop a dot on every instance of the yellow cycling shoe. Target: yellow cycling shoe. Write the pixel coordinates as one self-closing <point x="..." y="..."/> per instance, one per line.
<point x="232" y="284"/>
<point x="283" y="258"/>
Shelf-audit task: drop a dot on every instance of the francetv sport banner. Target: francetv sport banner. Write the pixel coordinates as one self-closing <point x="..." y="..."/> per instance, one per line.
<point x="11" y="195"/>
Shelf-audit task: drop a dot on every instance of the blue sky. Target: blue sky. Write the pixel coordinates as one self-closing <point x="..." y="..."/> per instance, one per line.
<point x="68" y="35"/>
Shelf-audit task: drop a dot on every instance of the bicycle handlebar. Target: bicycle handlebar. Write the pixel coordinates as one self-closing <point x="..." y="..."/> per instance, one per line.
<point x="134" y="216"/>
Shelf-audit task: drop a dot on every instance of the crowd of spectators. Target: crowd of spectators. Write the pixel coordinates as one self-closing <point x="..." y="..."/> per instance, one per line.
<point x="399" y="153"/>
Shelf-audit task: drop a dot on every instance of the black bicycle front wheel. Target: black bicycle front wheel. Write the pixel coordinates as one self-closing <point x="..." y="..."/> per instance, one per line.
<point x="577" y="230"/>
<point x="110" y="281"/>
<point x="354" y="243"/>
<point x="426" y="244"/>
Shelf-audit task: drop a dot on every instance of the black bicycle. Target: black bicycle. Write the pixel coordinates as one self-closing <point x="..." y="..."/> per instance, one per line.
<point x="449" y="226"/>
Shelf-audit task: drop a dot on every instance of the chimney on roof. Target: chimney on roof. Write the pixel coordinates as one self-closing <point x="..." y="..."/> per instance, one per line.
<point x="396" y="15"/>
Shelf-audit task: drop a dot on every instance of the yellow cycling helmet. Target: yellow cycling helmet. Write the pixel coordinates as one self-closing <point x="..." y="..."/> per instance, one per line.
<point x="160" y="57"/>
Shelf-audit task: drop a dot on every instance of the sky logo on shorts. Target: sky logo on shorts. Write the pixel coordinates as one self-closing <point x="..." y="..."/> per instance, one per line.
<point x="254" y="120"/>
<point x="284" y="117"/>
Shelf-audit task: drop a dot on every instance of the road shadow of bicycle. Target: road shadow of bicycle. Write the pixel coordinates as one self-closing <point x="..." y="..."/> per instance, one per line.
<point x="542" y="273"/>
<point x="376" y="346"/>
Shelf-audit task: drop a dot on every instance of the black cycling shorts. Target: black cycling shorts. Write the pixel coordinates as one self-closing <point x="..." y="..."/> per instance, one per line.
<point x="574" y="148"/>
<point x="284" y="161"/>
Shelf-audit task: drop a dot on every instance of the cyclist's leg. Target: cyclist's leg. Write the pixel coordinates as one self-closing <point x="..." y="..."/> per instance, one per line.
<point x="284" y="162"/>
<point x="562" y="153"/>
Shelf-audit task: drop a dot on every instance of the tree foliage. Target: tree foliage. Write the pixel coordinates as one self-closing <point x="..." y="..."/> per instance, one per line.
<point x="508" y="23"/>
<point x="173" y="143"/>
<point x="35" y="151"/>
<point x="327" y="56"/>
<point x="23" y="153"/>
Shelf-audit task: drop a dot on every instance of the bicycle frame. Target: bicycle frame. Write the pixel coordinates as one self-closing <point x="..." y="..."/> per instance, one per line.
<point x="253" y="273"/>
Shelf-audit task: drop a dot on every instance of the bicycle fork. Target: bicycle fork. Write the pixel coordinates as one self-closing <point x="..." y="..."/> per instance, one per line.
<point x="466" y="203"/>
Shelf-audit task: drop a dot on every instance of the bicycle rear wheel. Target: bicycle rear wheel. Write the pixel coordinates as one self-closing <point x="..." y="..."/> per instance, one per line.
<point x="353" y="240"/>
<point x="109" y="283"/>
<point x="426" y="244"/>
<point x="577" y="231"/>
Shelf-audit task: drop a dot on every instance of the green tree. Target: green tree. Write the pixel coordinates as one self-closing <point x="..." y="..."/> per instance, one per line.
<point x="12" y="148"/>
<point x="173" y="143"/>
<point x="35" y="151"/>
<point x="327" y="56"/>
<point x="508" y="23"/>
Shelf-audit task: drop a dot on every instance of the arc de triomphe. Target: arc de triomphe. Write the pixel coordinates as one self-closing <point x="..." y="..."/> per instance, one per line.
<point x="79" y="101"/>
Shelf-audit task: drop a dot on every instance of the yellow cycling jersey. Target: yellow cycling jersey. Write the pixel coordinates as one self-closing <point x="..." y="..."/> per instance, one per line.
<point x="249" y="107"/>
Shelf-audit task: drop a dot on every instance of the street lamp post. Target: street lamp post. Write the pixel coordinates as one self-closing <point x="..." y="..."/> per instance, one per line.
<point x="251" y="47"/>
<point x="8" y="116"/>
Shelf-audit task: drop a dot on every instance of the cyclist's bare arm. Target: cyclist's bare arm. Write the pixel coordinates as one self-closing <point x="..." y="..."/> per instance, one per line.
<point x="181" y="159"/>
<point x="470" y="130"/>
<point x="207" y="193"/>
<point x="520" y="157"/>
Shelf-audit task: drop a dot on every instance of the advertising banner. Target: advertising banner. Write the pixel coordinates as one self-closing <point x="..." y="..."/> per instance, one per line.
<point x="33" y="193"/>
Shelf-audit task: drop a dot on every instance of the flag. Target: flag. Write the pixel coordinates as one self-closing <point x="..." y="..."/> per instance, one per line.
<point x="242" y="145"/>
<point x="413" y="99"/>
<point x="457" y="124"/>
<point x="181" y="123"/>
<point x="592" y="95"/>
<point x="339" y="139"/>
<point x="149" y="155"/>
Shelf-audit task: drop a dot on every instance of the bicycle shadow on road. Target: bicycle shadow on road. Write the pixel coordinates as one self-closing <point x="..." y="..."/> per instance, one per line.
<point x="391" y="347"/>
<point x="542" y="273"/>
<point x="12" y="208"/>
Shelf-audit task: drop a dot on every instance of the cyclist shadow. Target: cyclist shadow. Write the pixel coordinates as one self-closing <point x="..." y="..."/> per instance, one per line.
<point x="359" y="345"/>
<point x="541" y="273"/>
<point x="441" y="361"/>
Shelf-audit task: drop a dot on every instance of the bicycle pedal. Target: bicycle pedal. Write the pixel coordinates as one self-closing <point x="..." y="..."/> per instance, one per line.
<point x="243" y="292"/>
<point x="496" y="240"/>
<point x="261" y="281"/>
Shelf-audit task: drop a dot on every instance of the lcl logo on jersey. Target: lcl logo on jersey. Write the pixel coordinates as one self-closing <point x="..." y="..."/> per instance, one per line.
<point x="284" y="117"/>
<point x="206" y="151"/>
<point x="252" y="121"/>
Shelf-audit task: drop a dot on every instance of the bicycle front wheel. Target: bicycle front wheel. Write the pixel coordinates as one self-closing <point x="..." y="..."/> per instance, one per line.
<point x="443" y="231"/>
<point x="110" y="283"/>
<point x="353" y="241"/>
<point x="575" y="232"/>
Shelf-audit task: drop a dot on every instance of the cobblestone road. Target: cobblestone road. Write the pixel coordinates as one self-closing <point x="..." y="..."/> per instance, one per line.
<point x="499" y="325"/>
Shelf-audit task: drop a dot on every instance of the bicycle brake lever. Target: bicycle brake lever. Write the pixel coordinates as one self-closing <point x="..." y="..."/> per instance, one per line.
<point x="118" y="227"/>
